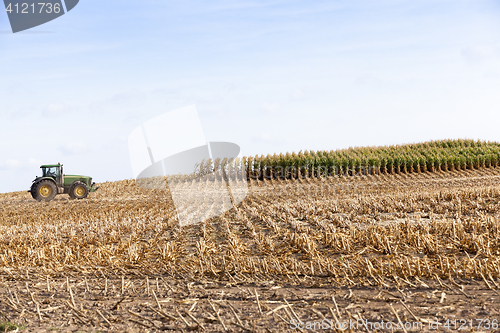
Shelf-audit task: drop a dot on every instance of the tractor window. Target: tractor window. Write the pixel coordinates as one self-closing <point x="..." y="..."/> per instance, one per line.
<point x="50" y="172"/>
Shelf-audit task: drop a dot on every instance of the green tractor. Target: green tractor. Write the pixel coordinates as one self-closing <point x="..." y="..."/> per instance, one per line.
<point x="54" y="182"/>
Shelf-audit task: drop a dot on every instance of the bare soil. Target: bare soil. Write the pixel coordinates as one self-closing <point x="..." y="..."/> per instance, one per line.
<point x="172" y="304"/>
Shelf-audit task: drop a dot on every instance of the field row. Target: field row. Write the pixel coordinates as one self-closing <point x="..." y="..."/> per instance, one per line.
<point x="379" y="227"/>
<point x="421" y="240"/>
<point x="445" y="155"/>
<point x="43" y="304"/>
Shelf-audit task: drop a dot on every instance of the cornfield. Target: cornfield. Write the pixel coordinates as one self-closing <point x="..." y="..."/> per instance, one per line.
<point x="421" y="157"/>
<point x="120" y="258"/>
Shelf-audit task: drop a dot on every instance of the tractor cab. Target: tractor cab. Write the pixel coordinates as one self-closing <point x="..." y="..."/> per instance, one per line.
<point x="55" y="172"/>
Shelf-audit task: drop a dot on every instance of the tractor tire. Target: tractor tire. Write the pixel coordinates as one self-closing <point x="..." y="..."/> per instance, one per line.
<point x="78" y="190"/>
<point x="44" y="190"/>
<point x="33" y="191"/>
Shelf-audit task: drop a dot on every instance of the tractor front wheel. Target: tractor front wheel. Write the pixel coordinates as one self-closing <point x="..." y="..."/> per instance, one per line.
<point x="78" y="190"/>
<point x="45" y="190"/>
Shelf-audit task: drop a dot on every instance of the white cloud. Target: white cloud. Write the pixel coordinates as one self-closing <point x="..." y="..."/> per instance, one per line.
<point x="271" y="107"/>
<point x="267" y="139"/>
<point x="475" y="55"/>
<point x="15" y="164"/>
<point x="305" y="93"/>
<point x="213" y="111"/>
<point x="73" y="148"/>
<point x="484" y="59"/>
<point x="34" y="162"/>
<point x="367" y="79"/>
<point x="297" y="94"/>
<point x="56" y="109"/>
<point x="10" y="164"/>
<point x="210" y="99"/>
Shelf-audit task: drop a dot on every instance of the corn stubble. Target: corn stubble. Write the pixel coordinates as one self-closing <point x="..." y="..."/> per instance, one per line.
<point x="120" y="259"/>
<point x="375" y="229"/>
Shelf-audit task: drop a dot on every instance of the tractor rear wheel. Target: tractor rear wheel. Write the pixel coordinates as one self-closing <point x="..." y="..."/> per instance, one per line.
<point x="78" y="190"/>
<point x="45" y="190"/>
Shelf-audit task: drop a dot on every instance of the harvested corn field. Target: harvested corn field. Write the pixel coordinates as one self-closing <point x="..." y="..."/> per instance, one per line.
<point x="418" y="248"/>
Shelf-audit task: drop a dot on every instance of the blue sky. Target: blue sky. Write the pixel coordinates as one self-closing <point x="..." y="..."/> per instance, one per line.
<point x="271" y="76"/>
